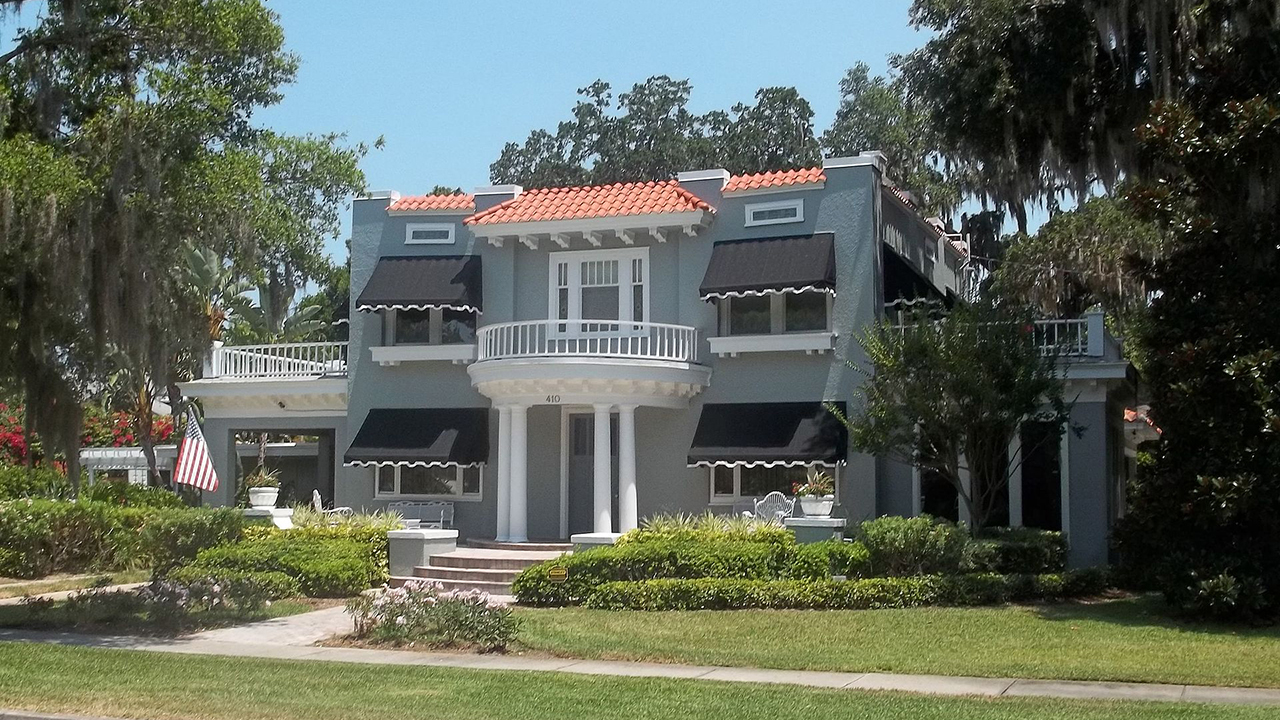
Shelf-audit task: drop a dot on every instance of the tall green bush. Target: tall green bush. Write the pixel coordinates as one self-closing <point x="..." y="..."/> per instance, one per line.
<point x="18" y="481"/>
<point x="899" y="546"/>
<point x="323" y="567"/>
<point x="126" y="494"/>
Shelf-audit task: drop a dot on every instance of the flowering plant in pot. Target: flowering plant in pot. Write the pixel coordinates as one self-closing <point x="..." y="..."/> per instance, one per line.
<point x="816" y="493"/>
<point x="264" y="487"/>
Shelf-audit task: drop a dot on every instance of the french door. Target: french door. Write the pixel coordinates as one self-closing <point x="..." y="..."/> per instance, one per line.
<point x="598" y="292"/>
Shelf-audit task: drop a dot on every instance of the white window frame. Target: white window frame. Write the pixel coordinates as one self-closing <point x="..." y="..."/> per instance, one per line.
<point x="435" y="328"/>
<point x="459" y="496"/>
<point x="410" y="227"/>
<point x="575" y="259"/>
<point x="753" y="208"/>
<point x="777" y="316"/>
<point x="737" y="496"/>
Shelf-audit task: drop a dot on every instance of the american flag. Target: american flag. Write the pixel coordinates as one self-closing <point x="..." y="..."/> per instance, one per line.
<point x="194" y="466"/>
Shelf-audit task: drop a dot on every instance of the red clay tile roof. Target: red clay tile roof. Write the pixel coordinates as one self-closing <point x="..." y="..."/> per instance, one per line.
<point x="803" y="176"/>
<point x="592" y="201"/>
<point x="434" y="202"/>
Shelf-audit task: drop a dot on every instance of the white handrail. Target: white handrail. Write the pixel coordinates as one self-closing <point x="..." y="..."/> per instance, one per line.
<point x="283" y="360"/>
<point x="1071" y="337"/>
<point x="587" y="338"/>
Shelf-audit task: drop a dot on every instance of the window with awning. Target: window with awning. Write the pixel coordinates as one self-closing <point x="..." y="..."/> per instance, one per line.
<point x="441" y="283"/>
<point x="421" y="437"/>
<point x="768" y="266"/>
<point x="787" y="434"/>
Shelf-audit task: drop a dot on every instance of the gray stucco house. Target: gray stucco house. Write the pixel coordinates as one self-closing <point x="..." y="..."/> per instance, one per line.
<point x="568" y="360"/>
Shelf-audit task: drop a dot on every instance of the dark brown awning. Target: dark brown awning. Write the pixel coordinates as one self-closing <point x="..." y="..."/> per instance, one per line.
<point x="421" y="436"/>
<point x="451" y="282"/>
<point x="771" y="265"/>
<point x="794" y="433"/>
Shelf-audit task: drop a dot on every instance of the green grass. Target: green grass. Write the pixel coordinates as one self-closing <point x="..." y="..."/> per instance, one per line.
<point x="1121" y="640"/>
<point x="161" y="686"/>
<point x="18" y="588"/>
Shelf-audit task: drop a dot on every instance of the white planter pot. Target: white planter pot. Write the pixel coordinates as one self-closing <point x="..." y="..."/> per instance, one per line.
<point x="815" y="506"/>
<point x="263" y="497"/>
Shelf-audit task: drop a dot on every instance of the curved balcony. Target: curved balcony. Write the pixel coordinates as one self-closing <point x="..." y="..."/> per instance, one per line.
<point x="588" y="338"/>
<point x="587" y="362"/>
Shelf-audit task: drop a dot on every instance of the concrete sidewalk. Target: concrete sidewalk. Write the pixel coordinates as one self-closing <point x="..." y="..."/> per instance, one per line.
<point x="274" y="642"/>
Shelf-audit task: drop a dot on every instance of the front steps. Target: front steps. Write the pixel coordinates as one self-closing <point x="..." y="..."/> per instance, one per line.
<point x="486" y="569"/>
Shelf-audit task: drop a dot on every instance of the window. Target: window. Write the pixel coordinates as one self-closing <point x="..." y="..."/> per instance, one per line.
<point x="775" y="213"/>
<point x="448" y="481"/>
<point x="428" y="234"/>
<point x="750" y="315"/>
<point x="740" y="481"/>
<point x="435" y="326"/>
<point x="607" y="286"/>
<point x="805" y="312"/>
<point x="775" y="313"/>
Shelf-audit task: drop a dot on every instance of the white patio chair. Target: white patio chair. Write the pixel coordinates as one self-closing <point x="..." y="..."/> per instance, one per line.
<point x="775" y="506"/>
<point x="432" y="514"/>
<point x="318" y="504"/>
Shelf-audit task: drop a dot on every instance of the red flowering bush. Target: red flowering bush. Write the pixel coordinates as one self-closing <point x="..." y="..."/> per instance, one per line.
<point x="13" y="441"/>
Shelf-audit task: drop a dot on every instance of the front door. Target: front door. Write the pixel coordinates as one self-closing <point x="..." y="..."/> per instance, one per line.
<point x="581" y="467"/>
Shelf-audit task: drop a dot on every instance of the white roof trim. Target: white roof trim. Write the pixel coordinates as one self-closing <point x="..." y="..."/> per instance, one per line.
<point x="689" y="220"/>
<point x="402" y="463"/>
<point x="432" y="211"/>
<point x="764" y="463"/>
<point x="459" y="308"/>
<point x="762" y="293"/>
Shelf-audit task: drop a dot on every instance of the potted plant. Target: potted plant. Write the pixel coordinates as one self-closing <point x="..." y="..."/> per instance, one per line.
<point x="816" y="493"/>
<point x="264" y="487"/>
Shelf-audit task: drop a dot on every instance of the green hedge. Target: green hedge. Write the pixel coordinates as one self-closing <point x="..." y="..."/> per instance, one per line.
<point x="268" y="584"/>
<point x="638" y="561"/>
<point x="900" y="546"/>
<point x="46" y="536"/>
<point x="126" y="494"/>
<point x="869" y="593"/>
<point x="820" y="561"/>
<point x="1018" y="550"/>
<point x="373" y="539"/>
<point x="17" y="481"/>
<point x="708" y="528"/>
<point x="322" y="567"/>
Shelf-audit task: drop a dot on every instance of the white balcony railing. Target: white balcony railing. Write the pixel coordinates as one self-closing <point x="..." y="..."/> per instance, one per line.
<point x="1070" y="338"/>
<point x="587" y="338"/>
<point x="284" y="360"/>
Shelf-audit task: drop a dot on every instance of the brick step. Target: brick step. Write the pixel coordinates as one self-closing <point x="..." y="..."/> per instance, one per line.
<point x="493" y="588"/>
<point x="535" y="546"/>
<point x="504" y="575"/>
<point x="474" y="561"/>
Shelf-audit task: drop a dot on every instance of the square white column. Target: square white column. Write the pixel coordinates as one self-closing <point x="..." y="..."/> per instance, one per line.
<point x="519" y="527"/>
<point x="628" y="506"/>
<point x="503" y="532"/>
<point x="603" y="466"/>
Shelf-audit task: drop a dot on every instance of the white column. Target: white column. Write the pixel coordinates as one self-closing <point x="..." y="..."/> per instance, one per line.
<point x="1015" y="479"/>
<point x="504" y="474"/>
<point x="603" y="489"/>
<point x="628" y="510"/>
<point x="519" y="475"/>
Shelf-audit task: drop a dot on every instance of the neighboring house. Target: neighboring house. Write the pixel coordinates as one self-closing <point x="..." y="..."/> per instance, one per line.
<point x="567" y="360"/>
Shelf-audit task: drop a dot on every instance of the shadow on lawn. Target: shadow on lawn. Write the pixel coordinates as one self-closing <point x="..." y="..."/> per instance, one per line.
<point x="1147" y="611"/>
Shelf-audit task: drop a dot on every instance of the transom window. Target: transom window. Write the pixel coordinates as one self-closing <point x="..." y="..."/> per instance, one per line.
<point x="428" y="234"/>
<point x="435" y="326"/>
<point x="775" y="313"/>
<point x="730" y="483"/>
<point x="449" y="481"/>
<point x="775" y="213"/>
<point x="609" y="287"/>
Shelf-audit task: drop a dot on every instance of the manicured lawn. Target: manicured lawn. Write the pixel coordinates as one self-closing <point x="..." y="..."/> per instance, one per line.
<point x="10" y="587"/>
<point x="161" y="686"/>
<point x="1129" y="640"/>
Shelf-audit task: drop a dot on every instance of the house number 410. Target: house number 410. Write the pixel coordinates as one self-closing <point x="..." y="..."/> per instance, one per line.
<point x="553" y="399"/>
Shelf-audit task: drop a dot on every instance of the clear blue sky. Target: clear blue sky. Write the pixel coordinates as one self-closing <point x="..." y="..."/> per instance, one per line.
<point x="448" y="83"/>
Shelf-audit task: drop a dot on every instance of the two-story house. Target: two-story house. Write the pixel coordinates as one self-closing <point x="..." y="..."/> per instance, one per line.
<point x="566" y="360"/>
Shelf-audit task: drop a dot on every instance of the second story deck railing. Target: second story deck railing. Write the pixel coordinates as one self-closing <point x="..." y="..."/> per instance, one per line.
<point x="1082" y="337"/>
<point x="283" y="360"/>
<point x="587" y="338"/>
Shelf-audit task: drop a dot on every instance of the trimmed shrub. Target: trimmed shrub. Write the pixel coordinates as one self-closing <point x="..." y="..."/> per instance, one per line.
<point x="641" y="561"/>
<point x="820" y="561"/>
<point x="708" y="528"/>
<point x="16" y="481"/>
<point x="322" y="567"/>
<point x="171" y="537"/>
<point x="1018" y="550"/>
<point x="899" y="546"/>
<point x="372" y="537"/>
<point x="865" y="594"/>
<point x="125" y="494"/>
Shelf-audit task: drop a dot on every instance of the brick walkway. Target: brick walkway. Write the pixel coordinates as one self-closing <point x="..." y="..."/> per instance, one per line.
<point x="293" y="638"/>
